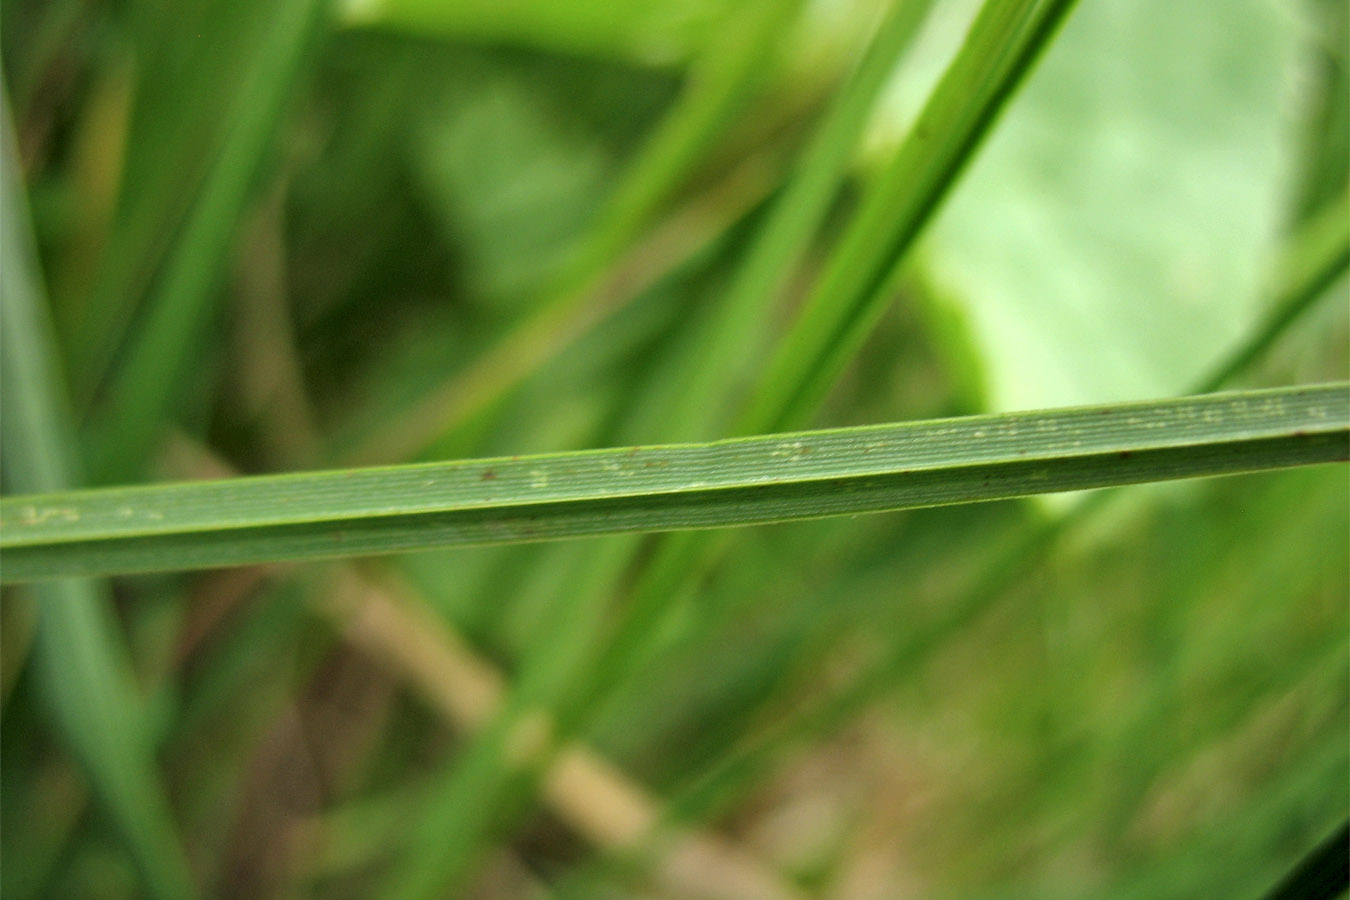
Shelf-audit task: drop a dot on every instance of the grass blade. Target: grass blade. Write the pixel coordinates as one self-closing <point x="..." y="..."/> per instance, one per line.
<point x="78" y="650"/>
<point x="1318" y="254"/>
<point x="860" y="278"/>
<point x="1323" y="873"/>
<point x="722" y="81"/>
<point x="668" y="487"/>
<point x="142" y="393"/>
<point x="720" y="358"/>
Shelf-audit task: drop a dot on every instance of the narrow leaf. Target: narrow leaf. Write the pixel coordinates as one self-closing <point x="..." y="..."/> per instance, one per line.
<point x="669" y="487"/>
<point x="143" y="392"/>
<point x="861" y="275"/>
<point x="79" y="654"/>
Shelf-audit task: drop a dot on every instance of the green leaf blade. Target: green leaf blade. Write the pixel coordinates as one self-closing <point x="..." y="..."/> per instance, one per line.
<point x="143" y="392"/>
<point x="669" y="487"/>
<point x="79" y="652"/>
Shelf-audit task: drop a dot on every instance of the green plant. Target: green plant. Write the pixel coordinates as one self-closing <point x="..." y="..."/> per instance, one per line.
<point x="640" y="256"/>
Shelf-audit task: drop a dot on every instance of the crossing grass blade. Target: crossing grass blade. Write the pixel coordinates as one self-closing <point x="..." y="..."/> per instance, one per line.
<point x="721" y="356"/>
<point x="667" y="487"/>
<point x="862" y="274"/>
<point x="79" y="655"/>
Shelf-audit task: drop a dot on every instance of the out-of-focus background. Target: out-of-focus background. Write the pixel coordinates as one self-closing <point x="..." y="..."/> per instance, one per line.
<point x="279" y="235"/>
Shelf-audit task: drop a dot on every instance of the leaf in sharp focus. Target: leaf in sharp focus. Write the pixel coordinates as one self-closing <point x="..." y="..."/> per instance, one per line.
<point x="1112" y="240"/>
<point x="756" y="480"/>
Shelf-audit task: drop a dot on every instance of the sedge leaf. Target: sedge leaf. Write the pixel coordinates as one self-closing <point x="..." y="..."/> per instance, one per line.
<point x="741" y="481"/>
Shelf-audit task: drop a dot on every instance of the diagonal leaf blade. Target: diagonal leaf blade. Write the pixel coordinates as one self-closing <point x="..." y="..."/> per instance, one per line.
<point x="143" y="391"/>
<point x="863" y="271"/>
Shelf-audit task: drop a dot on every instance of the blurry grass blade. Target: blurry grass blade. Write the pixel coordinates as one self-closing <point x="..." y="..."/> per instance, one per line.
<point x="190" y="70"/>
<point x="143" y="391"/>
<point x="720" y="84"/>
<point x="999" y="51"/>
<point x="1002" y="44"/>
<point x="1317" y="254"/>
<point x="1004" y="39"/>
<point x="672" y="487"/>
<point x="1326" y="128"/>
<point x="82" y="665"/>
<point x="796" y="215"/>
<point x="1324" y="872"/>
<point x="557" y="322"/>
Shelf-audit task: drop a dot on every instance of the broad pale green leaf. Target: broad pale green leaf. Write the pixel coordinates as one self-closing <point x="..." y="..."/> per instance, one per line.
<point x="668" y="487"/>
<point x="1111" y="242"/>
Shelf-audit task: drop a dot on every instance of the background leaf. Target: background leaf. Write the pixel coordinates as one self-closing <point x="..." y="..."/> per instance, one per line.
<point x="1072" y="243"/>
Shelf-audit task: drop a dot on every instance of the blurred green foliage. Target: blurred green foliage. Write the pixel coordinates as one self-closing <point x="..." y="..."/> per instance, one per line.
<point x="280" y="235"/>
